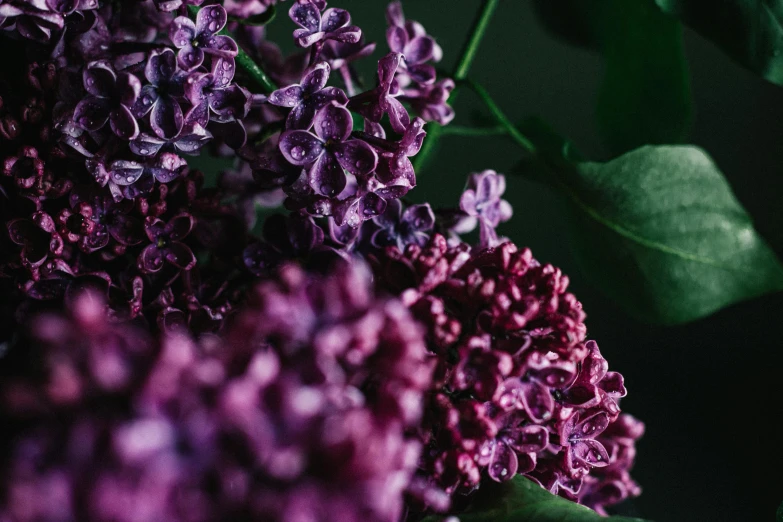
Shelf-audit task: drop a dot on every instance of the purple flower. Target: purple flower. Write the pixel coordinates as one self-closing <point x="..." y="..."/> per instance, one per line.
<point x="166" y="244"/>
<point x="160" y="97"/>
<point x="166" y="168"/>
<point x="430" y="101"/>
<point x="317" y="27"/>
<point x="329" y="151"/>
<point x="38" y="238"/>
<point x="214" y="93"/>
<point x="412" y="226"/>
<point x="195" y="39"/>
<point x="111" y="96"/>
<point x="382" y="100"/>
<point x="306" y="98"/>
<point x="482" y="200"/>
<point x="411" y="40"/>
<point x="190" y="140"/>
<point x="578" y="434"/>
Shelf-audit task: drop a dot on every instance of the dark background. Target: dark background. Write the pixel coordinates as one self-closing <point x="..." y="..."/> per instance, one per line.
<point x="709" y="392"/>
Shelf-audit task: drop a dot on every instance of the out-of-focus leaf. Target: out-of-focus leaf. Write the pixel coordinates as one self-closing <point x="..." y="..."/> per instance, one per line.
<point x="522" y="500"/>
<point x="750" y="31"/>
<point x="645" y="97"/>
<point x="660" y="231"/>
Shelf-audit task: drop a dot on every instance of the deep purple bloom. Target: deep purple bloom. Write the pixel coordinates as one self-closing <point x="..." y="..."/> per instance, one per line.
<point x="411" y="40"/>
<point x="160" y="98"/>
<point x="111" y="97"/>
<point x="327" y="152"/>
<point x="195" y="39"/>
<point x="164" y="169"/>
<point x="213" y="93"/>
<point x="317" y="27"/>
<point x="482" y="200"/>
<point x="403" y="227"/>
<point x="190" y="140"/>
<point x="306" y="98"/>
<point x="382" y="100"/>
<point x="166" y="244"/>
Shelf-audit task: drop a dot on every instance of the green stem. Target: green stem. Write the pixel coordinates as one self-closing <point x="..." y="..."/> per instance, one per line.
<point x="244" y="60"/>
<point x="467" y="55"/>
<point x="501" y="118"/>
<point x="458" y="130"/>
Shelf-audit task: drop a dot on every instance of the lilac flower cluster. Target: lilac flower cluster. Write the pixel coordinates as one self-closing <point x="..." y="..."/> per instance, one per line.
<point x="300" y="412"/>
<point x="202" y="372"/>
<point x="517" y="388"/>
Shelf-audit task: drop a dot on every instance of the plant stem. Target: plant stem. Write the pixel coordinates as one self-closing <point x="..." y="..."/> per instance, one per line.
<point x="467" y="55"/>
<point x="458" y="130"/>
<point x="244" y="60"/>
<point x="501" y="118"/>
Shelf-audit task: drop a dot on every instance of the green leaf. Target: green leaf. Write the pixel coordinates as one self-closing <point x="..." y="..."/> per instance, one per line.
<point x="522" y="500"/>
<point x="259" y="19"/>
<point x="750" y="31"/>
<point x="660" y="230"/>
<point x="645" y="97"/>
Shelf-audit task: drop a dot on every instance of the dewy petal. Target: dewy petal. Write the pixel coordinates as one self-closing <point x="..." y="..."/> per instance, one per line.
<point x="189" y="57"/>
<point x="151" y="259"/>
<point x="287" y="96"/>
<point x="422" y="73"/>
<point x="333" y="19"/>
<point x="504" y="464"/>
<point x="613" y="384"/>
<point x="211" y="19"/>
<point x="123" y="124"/>
<point x="357" y="157"/>
<point x="306" y="15"/>
<point x="223" y="69"/>
<point x="126" y="230"/>
<point x="537" y="401"/>
<point x="125" y="172"/>
<point x="99" y="79"/>
<point x="350" y="34"/>
<point x="180" y="255"/>
<point x="146" y="100"/>
<point x="327" y="176"/>
<point x="333" y="122"/>
<point x="306" y="39"/>
<point x="316" y="78"/>
<point x="588" y="453"/>
<point x="182" y="31"/>
<point x="196" y="86"/>
<point x="146" y="145"/>
<point x="591" y="426"/>
<point x="128" y="88"/>
<point x="301" y="116"/>
<point x="91" y="113"/>
<point x="300" y="147"/>
<point x="222" y="46"/>
<point x="387" y="66"/>
<point x="161" y="66"/>
<point x="166" y="118"/>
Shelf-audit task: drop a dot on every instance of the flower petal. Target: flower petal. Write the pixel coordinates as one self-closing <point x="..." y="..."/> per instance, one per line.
<point x="179" y="226"/>
<point x="125" y="172"/>
<point x="421" y="49"/>
<point x="123" y="124"/>
<point x="537" y="401"/>
<point x="99" y="79"/>
<point x="333" y="19"/>
<point x="326" y="176"/>
<point x="316" y="78"/>
<point x="166" y="118"/>
<point x="333" y="122"/>
<point x="182" y="31"/>
<point x="222" y="46"/>
<point x="161" y="66"/>
<point x="356" y="156"/>
<point x="211" y="19"/>
<point x="91" y="113"/>
<point x="287" y="96"/>
<point x="306" y="15"/>
<point x="504" y="464"/>
<point x="528" y="439"/>
<point x="397" y="38"/>
<point x="189" y="58"/>
<point x="300" y="147"/>
<point x="150" y="259"/>
<point x="588" y="453"/>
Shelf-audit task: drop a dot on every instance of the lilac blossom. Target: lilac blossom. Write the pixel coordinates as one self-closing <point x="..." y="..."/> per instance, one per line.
<point x="430" y="102"/>
<point x="317" y="27"/>
<point x="306" y="98"/>
<point x="327" y="152"/>
<point x="213" y="93"/>
<point x="412" y="226"/>
<point x="417" y="48"/>
<point x="110" y="98"/>
<point x="483" y="201"/>
<point x="382" y="100"/>
<point x="194" y="40"/>
<point x="166" y="244"/>
<point x="160" y="98"/>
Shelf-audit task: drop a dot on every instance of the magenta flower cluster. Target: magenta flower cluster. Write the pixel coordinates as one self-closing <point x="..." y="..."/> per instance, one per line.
<point x="165" y="354"/>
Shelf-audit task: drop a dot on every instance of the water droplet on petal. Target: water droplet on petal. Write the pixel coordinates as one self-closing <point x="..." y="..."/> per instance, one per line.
<point x="297" y="152"/>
